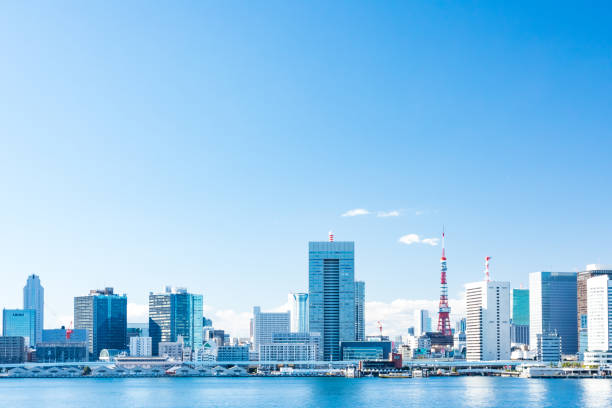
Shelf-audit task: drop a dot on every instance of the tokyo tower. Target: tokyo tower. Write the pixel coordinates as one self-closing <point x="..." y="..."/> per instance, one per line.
<point x="444" y="312"/>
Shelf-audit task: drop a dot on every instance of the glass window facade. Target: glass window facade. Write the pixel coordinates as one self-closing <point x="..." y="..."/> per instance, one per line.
<point x="331" y="286"/>
<point x="520" y="307"/>
<point x="22" y="323"/>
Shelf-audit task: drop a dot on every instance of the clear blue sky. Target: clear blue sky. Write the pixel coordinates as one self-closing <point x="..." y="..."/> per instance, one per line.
<point x="203" y="144"/>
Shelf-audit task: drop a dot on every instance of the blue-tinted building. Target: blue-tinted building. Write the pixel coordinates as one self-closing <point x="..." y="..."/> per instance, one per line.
<point x="520" y="306"/>
<point x="553" y="308"/>
<point x="34" y="298"/>
<point x="299" y="312"/>
<point x="365" y="350"/>
<point x="359" y="310"/>
<point x="331" y="286"/>
<point x="175" y="313"/>
<point x="21" y="323"/>
<point x="62" y="336"/>
<point x="103" y="314"/>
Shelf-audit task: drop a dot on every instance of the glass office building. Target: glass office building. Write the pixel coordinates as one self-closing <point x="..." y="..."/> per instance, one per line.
<point x="20" y="323"/>
<point x="359" y="310"/>
<point x="520" y="306"/>
<point x="552" y="308"/>
<point x="298" y="303"/>
<point x="104" y="315"/>
<point x="331" y="286"/>
<point x="64" y="336"/>
<point x="34" y="298"/>
<point x="176" y="313"/>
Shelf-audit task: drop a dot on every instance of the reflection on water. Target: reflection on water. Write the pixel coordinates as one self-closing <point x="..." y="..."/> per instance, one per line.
<point x="596" y="392"/>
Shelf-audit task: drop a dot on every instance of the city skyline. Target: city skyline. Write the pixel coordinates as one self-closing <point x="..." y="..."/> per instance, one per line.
<point x="186" y="144"/>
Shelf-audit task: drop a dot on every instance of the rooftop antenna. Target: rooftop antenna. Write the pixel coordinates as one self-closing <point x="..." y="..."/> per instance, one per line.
<point x="331" y="236"/>
<point x="488" y="275"/>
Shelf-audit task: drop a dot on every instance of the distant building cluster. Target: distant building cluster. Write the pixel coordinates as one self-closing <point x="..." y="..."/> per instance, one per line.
<point x="561" y="316"/>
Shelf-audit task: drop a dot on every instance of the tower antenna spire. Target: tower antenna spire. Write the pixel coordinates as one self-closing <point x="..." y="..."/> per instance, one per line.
<point x="444" y="311"/>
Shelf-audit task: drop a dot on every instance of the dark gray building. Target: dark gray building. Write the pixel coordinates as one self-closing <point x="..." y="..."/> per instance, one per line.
<point x="104" y="315"/>
<point x="62" y="352"/>
<point x="233" y="353"/>
<point x="12" y="349"/>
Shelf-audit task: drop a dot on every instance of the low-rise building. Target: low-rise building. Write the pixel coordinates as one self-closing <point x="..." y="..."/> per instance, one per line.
<point x="233" y="353"/>
<point x="63" y="352"/>
<point x="141" y="347"/>
<point x="548" y="347"/>
<point x="365" y="350"/>
<point x="172" y="349"/>
<point x="289" y="346"/>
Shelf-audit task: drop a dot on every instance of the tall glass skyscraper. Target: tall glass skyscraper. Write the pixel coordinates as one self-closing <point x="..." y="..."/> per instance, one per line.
<point x="359" y="310"/>
<point x="176" y="313"/>
<point x="298" y="303"/>
<point x="34" y="298"/>
<point x="520" y="306"/>
<point x="104" y="315"/>
<point x="22" y="323"/>
<point x="552" y="308"/>
<point x="331" y="286"/>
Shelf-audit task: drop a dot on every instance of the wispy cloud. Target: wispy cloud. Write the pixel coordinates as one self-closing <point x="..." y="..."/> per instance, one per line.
<point x="355" y="212"/>
<point x="137" y="313"/>
<point x="430" y="241"/>
<point x="410" y="239"/>
<point x="393" y="213"/>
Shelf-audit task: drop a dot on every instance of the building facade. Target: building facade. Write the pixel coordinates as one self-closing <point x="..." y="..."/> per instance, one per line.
<point x="141" y="347"/>
<point x="423" y="322"/>
<point x="298" y="303"/>
<point x="61" y="352"/>
<point x="34" y="299"/>
<point x="104" y="315"/>
<point x="552" y="308"/>
<point x="599" y="312"/>
<point x="291" y="347"/>
<point x="176" y="313"/>
<point x="359" y="310"/>
<point x="64" y="336"/>
<point x="266" y="325"/>
<point x="590" y="271"/>
<point x="488" y="321"/>
<point x="18" y="322"/>
<point x="331" y="288"/>
<point x="365" y="350"/>
<point x="233" y="353"/>
<point x="548" y="347"/>
<point x="12" y="350"/>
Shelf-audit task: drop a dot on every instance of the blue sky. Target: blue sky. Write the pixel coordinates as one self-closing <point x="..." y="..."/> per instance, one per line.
<point x="203" y="144"/>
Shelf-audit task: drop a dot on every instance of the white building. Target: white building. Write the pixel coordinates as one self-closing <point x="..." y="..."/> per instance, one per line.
<point x="265" y="325"/>
<point x="292" y="347"/>
<point x="141" y="347"/>
<point x="599" y="313"/>
<point x="488" y="321"/>
<point x="172" y="349"/>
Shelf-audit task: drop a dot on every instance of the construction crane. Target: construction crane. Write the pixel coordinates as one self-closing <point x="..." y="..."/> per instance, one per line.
<point x="380" y="328"/>
<point x="69" y="331"/>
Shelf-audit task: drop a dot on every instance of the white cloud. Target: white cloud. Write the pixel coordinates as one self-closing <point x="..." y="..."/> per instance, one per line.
<point x="355" y="212"/>
<point x="393" y="213"/>
<point x="419" y="212"/>
<point x="137" y="313"/>
<point x="398" y="315"/>
<point x="237" y="324"/>
<point x="431" y="241"/>
<point x="410" y="239"/>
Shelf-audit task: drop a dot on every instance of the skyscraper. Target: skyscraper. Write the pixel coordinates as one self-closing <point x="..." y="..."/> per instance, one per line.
<point x="599" y="304"/>
<point x="298" y="303"/>
<point x="520" y="316"/>
<point x="552" y="308"/>
<point x="104" y="315"/>
<point x="359" y="311"/>
<point x="175" y="313"/>
<point x="422" y="321"/>
<point x="34" y="298"/>
<point x="17" y="322"/>
<point x="488" y="321"/>
<point x="331" y="286"/>
<point x="590" y="271"/>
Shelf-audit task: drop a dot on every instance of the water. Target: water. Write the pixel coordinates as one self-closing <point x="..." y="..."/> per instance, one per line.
<point x="304" y="392"/>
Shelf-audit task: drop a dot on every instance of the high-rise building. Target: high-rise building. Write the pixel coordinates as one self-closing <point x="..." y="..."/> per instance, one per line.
<point x="599" y="306"/>
<point x="423" y="322"/>
<point x="359" y="310"/>
<point x="298" y="303"/>
<point x="488" y="321"/>
<point x="552" y="308"/>
<point x="104" y="315"/>
<point x="176" y="313"/>
<point x="18" y="322"/>
<point x="266" y="325"/>
<point x="519" y="332"/>
<point x="590" y="271"/>
<point x="331" y="288"/>
<point x="34" y="298"/>
<point x="12" y="349"/>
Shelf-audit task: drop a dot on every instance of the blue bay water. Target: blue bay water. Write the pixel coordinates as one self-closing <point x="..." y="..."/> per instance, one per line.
<point x="304" y="392"/>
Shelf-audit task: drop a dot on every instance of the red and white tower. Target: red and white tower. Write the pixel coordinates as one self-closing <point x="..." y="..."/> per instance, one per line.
<point x="444" y="326"/>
